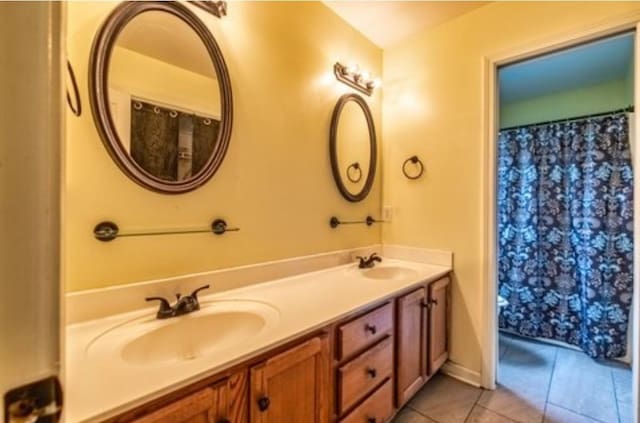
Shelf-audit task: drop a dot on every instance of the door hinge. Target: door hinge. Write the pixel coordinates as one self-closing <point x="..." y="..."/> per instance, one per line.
<point x="38" y="402"/>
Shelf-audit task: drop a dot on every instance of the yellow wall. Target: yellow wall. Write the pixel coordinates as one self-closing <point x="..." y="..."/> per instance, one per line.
<point x="433" y="108"/>
<point x="161" y="82"/>
<point x="598" y="98"/>
<point x="275" y="183"/>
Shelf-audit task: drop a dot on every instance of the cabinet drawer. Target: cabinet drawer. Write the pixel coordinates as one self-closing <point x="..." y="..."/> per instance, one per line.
<point x="364" y="331"/>
<point x="375" y="409"/>
<point x="362" y="374"/>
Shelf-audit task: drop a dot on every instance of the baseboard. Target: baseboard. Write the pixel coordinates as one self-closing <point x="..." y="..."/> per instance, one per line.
<point x="462" y="374"/>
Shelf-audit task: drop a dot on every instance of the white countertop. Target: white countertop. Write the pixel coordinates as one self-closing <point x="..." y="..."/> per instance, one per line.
<point x="98" y="389"/>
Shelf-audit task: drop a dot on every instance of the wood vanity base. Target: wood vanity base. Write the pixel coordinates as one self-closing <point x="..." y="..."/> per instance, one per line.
<point x="361" y="369"/>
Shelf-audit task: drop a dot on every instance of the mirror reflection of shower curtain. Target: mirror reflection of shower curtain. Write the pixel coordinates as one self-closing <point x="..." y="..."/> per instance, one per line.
<point x="565" y="232"/>
<point x="154" y="139"/>
<point x="171" y="144"/>
<point x="205" y="135"/>
<point x="185" y="146"/>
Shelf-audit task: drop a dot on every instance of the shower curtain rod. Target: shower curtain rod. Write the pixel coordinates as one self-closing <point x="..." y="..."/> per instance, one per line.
<point x="628" y="109"/>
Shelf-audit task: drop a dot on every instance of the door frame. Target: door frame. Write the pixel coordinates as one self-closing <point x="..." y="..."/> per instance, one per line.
<point x="490" y="102"/>
<point x="31" y="293"/>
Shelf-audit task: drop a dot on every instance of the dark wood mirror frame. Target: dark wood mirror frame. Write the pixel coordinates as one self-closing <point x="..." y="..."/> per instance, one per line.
<point x="333" y="147"/>
<point x="99" y="94"/>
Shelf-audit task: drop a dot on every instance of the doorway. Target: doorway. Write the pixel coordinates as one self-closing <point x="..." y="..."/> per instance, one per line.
<point x="542" y="364"/>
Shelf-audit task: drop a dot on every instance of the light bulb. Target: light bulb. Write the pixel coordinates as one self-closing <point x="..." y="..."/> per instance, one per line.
<point x="373" y="83"/>
<point x="352" y="69"/>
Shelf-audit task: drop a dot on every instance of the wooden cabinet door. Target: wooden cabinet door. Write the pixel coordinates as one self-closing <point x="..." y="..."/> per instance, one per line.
<point x="199" y="407"/>
<point x="293" y="386"/>
<point x="237" y="407"/>
<point x="222" y="402"/>
<point x="411" y="345"/>
<point x="438" y="346"/>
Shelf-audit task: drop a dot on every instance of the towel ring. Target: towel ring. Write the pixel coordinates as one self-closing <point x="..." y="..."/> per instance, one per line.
<point x="77" y="109"/>
<point x="355" y="166"/>
<point x="414" y="160"/>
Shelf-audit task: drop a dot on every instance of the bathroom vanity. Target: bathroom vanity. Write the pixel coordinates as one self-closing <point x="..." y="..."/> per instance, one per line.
<point x="361" y="365"/>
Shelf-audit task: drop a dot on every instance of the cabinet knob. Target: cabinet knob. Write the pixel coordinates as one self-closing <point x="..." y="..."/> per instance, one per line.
<point x="371" y="420"/>
<point x="263" y="403"/>
<point x="370" y="328"/>
<point x="430" y="303"/>
<point x="372" y="372"/>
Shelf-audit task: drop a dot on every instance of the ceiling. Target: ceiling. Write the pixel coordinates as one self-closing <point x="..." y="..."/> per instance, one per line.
<point x="597" y="62"/>
<point x="386" y="23"/>
<point x="167" y="38"/>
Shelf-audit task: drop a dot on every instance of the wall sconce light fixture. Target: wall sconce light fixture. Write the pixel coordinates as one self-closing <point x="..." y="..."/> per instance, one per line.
<point x="217" y="8"/>
<point x="355" y="78"/>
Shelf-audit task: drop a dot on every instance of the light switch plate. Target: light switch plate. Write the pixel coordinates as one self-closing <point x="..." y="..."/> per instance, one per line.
<point x="387" y="213"/>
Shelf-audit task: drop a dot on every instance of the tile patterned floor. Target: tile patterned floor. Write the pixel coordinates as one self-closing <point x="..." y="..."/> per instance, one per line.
<point x="538" y="383"/>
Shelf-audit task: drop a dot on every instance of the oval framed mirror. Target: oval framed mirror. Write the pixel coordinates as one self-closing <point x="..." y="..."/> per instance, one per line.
<point x="160" y="95"/>
<point x="353" y="147"/>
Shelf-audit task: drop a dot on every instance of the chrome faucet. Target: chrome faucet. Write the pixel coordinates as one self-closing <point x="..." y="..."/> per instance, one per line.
<point x="368" y="262"/>
<point x="183" y="305"/>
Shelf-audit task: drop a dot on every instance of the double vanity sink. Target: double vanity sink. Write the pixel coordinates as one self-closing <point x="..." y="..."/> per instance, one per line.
<point x="148" y="341"/>
<point x="118" y="362"/>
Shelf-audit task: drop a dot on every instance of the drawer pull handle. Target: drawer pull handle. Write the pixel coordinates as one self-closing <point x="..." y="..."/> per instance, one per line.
<point x="372" y="372"/>
<point x="263" y="403"/>
<point x="370" y="328"/>
<point x="371" y="420"/>
<point x="224" y="421"/>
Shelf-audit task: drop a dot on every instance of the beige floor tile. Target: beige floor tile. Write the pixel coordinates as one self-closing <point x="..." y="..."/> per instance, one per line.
<point x="524" y="375"/>
<point x="503" y="345"/>
<point x="622" y="384"/>
<point x="480" y="414"/>
<point x="625" y="411"/>
<point x="445" y="400"/>
<point x="527" y="366"/>
<point x="407" y="415"/>
<point x="557" y="414"/>
<point x="522" y="353"/>
<point x="583" y="386"/>
<point x="522" y="407"/>
<point x="526" y="344"/>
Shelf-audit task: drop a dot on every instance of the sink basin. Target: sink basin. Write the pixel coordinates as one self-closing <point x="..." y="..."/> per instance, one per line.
<point x="215" y="328"/>
<point x="192" y="337"/>
<point x="394" y="273"/>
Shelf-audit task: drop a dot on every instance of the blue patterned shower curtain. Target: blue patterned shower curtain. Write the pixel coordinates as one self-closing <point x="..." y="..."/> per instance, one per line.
<point x="565" y="222"/>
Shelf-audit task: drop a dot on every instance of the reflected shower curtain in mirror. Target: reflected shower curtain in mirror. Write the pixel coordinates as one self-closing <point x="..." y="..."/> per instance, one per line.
<point x="205" y="135"/>
<point x="565" y="232"/>
<point x="154" y="139"/>
<point x="170" y="144"/>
